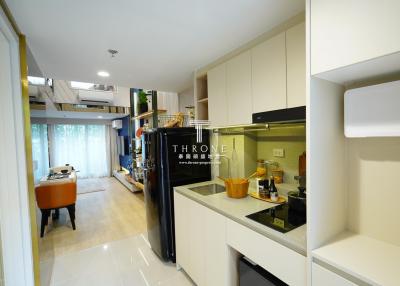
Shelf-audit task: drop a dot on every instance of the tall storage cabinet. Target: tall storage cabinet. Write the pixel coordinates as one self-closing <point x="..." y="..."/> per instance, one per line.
<point x="348" y="32"/>
<point x="217" y="99"/>
<point x="238" y="89"/>
<point x="296" y="65"/>
<point x="352" y="239"/>
<point x="268" y="71"/>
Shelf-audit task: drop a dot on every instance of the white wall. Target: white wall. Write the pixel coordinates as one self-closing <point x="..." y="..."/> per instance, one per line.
<point x="122" y="96"/>
<point x="186" y="98"/>
<point x="373" y="187"/>
<point x="168" y="100"/>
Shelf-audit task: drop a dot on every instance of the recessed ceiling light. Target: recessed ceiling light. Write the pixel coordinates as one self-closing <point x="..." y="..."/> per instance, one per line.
<point x="103" y="74"/>
<point x="99" y="116"/>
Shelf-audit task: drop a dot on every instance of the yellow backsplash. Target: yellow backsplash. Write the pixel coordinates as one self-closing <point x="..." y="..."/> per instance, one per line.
<point x="251" y="146"/>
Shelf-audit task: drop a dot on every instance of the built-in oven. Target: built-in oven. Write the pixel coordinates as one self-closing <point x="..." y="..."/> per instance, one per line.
<point x="251" y="274"/>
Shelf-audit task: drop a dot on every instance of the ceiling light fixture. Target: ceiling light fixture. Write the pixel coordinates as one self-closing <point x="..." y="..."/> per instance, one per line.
<point x="99" y="116"/>
<point x="112" y="52"/>
<point x="103" y="74"/>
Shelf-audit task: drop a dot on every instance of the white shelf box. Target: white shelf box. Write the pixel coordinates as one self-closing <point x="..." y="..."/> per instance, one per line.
<point x="373" y="111"/>
<point x="372" y="261"/>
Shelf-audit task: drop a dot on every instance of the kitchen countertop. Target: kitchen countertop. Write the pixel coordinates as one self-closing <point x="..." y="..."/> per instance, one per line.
<point x="237" y="209"/>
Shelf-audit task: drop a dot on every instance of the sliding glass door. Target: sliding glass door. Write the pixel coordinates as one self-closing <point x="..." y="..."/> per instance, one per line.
<point x="86" y="147"/>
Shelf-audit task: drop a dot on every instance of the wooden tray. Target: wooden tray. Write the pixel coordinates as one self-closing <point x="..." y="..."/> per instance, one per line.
<point x="280" y="200"/>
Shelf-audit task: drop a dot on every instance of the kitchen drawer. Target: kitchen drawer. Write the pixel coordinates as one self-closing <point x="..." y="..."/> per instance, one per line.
<point x="284" y="263"/>
<point x="323" y="277"/>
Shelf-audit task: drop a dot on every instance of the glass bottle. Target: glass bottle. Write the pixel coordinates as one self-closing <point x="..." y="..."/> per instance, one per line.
<point x="273" y="192"/>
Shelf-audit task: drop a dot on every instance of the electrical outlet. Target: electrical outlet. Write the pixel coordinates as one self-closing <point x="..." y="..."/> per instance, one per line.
<point x="278" y="153"/>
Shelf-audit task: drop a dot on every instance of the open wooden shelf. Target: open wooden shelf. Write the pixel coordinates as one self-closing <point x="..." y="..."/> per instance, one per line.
<point x="201" y="97"/>
<point x="370" y="260"/>
<point x="148" y="114"/>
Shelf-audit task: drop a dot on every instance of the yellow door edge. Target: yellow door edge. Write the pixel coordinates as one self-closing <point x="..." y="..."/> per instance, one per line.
<point x="28" y="153"/>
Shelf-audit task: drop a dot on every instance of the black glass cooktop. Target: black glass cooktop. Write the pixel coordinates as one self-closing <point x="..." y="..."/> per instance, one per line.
<point x="280" y="218"/>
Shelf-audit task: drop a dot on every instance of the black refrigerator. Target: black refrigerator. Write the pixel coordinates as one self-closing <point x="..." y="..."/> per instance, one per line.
<point x="171" y="157"/>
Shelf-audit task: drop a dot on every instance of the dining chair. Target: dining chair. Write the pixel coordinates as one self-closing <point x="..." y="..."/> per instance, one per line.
<point x="54" y="197"/>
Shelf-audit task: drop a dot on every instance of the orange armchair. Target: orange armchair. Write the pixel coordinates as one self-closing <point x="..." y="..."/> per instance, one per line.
<point x="53" y="197"/>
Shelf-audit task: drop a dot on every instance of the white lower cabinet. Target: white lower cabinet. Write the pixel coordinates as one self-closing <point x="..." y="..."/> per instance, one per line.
<point x="216" y="250"/>
<point x="208" y="243"/>
<point x="182" y="239"/>
<point x="189" y="232"/>
<point x="201" y="248"/>
<point x="323" y="277"/>
<point x="284" y="263"/>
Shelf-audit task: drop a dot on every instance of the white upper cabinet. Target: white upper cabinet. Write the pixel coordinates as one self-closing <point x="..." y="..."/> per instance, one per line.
<point x="238" y="89"/>
<point x="347" y="32"/>
<point x="269" y="74"/>
<point x="217" y="103"/>
<point x="296" y="65"/>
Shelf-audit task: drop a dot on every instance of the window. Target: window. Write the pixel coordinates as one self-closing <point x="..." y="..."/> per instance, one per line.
<point x="33" y="80"/>
<point x="81" y="85"/>
<point x="40" y="151"/>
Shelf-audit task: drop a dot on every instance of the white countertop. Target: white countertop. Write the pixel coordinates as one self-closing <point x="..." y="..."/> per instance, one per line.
<point x="238" y="209"/>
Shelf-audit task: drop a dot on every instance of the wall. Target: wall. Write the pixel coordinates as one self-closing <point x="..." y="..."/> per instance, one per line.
<point x="122" y="96"/>
<point x="168" y="101"/>
<point x="186" y="98"/>
<point x="373" y="187"/>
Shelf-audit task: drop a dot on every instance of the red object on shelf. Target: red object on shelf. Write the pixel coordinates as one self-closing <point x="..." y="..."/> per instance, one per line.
<point x="139" y="132"/>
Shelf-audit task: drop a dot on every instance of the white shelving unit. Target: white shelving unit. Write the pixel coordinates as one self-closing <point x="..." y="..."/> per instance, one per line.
<point x="353" y="226"/>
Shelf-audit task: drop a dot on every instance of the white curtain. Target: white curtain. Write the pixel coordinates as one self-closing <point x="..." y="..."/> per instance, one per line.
<point x="114" y="149"/>
<point x="40" y="151"/>
<point x="86" y="147"/>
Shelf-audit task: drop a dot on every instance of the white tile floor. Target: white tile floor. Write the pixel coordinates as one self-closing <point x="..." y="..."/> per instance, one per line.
<point x="125" y="262"/>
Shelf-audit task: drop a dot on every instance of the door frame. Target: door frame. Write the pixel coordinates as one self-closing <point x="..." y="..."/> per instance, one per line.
<point x="15" y="221"/>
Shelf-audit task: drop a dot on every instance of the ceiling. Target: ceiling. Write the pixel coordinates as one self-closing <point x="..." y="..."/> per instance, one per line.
<point x="160" y="42"/>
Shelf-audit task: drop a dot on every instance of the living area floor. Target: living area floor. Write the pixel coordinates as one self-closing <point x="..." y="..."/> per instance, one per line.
<point x="109" y="246"/>
<point x="105" y="211"/>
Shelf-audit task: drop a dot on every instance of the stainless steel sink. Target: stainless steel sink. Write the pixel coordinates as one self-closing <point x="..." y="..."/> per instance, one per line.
<point x="207" y="190"/>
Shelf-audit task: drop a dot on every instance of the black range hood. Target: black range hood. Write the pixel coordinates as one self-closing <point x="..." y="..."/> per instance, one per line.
<point x="287" y="115"/>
